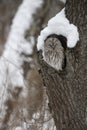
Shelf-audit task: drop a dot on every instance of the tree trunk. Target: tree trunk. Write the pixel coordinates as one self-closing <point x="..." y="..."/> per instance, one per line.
<point x="67" y="90"/>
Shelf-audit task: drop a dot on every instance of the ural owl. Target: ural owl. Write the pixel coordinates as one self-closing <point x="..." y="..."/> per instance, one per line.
<point x="53" y="53"/>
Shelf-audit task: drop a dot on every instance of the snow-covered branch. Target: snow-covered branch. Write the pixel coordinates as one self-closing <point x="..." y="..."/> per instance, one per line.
<point x="11" y="72"/>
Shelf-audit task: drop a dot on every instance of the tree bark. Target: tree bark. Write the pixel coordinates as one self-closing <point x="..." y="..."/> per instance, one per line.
<point x="67" y="90"/>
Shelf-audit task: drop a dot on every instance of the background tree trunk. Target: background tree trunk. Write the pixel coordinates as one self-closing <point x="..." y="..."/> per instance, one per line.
<point x="7" y="12"/>
<point x="67" y="90"/>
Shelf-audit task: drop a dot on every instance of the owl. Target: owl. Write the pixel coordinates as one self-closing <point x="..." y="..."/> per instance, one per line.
<point x="53" y="53"/>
